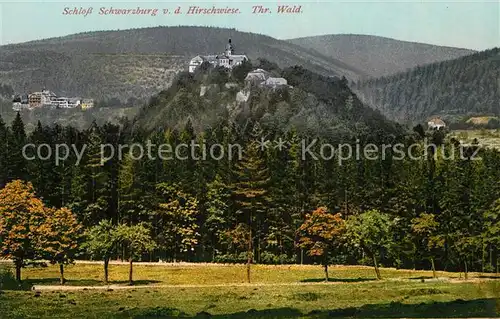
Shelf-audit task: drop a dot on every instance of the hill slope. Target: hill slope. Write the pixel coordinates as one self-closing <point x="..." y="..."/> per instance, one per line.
<point x="139" y="62"/>
<point x="378" y="56"/>
<point x="315" y="105"/>
<point x="453" y="89"/>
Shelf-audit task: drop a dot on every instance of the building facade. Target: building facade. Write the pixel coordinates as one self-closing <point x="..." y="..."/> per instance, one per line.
<point x="227" y="59"/>
<point x="46" y="98"/>
<point x="436" y="124"/>
<point x="87" y="104"/>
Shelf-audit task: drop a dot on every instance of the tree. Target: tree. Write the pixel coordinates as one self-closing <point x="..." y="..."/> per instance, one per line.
<point x="177" y="220"/>
<point x="465" y="247"/>
<point x="17" y="168"/>
<point x="101" y="243"/>
<point x="240" y="71"/>
<point x="321" y="233"/>
<point x="369" y="231"/>
<point x="217" y="207"/>
<point x="240" y="237"/>
<point x="250" y="189"/>
<point x="137" y="239"/>
<point x="59" y="236"/>
<point x="128" y="194"/>
<point x="91" y="182"/>
<point x="4" y="136"/>
<point x="21" y="215"/>
<point x="425" y="229"/>
<point x="491" y="232"/>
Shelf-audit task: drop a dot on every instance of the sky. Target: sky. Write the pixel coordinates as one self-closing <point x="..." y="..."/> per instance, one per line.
<point x="469" y="24"/>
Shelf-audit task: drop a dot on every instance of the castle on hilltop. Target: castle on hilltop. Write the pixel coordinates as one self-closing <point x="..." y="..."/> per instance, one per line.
<point x="227" y="59"/>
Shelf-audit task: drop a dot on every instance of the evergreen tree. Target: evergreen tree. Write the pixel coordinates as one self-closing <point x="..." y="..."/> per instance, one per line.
<point x="218" y="218"/>
<point x="250" y="191"/>
<point x="4" y="138"/>
<point x="16" y="163"/>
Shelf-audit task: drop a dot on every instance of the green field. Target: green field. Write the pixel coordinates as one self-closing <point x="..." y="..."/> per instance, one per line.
<point x="220" y="291"/>
<point x="487" y="138"/>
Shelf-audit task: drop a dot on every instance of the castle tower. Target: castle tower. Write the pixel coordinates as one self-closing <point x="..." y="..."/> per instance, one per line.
<point x="229" y="48"/>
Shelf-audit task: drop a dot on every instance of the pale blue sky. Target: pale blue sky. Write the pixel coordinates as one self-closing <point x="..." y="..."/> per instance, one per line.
<point x="466" y="24"/>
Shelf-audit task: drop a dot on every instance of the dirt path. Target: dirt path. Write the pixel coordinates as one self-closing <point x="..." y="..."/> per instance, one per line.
<point x="321" y="283"/>
<point x="124" y="287"/>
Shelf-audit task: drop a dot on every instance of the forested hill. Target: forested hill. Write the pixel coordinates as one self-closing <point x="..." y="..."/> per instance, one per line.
<point x="314" y="104"/>
<point x="140" y="62"/>
<point x="379" y="56"/>
<point x="451" y="89"/>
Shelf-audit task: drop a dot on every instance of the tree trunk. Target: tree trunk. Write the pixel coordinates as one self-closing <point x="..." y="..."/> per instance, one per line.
<point x="433" y="268"/>
<point x="483" y="258"/>
<point x="106" y="264"/>
<point x="498" y="262"/>
<point x="326" y="272"/>
<point x="377" y="271"/>
<point x="491" y="256"/>
<point x="257" y="259"/>
<point x="249" y="255"/>
<point x="62" y="281"/>
<point x="465" y="270"/>
<point x="18" y="270"/>
<point x="130" y="281"/>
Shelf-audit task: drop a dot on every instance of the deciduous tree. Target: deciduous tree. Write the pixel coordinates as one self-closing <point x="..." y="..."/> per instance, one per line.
<point x="177" y="216"/>
<point x="21" y="215"/>
<point x="59" y="237"/>
<point x="137" y="239"/>
<point x="370" y="231"/>
<point x="321" y="233"/>
<point x="101" y="243"/>
<point x="425" y="229"/>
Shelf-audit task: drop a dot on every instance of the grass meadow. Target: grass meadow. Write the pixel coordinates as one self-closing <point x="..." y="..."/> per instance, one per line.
<point x="487" y="138"/>
<point x="220" y="291"/>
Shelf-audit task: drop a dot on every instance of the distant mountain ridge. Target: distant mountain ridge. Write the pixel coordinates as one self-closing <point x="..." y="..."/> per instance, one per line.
<point x="455" y="89"/>
<point x="140" y="62"/>
<point x="378" y="56"/>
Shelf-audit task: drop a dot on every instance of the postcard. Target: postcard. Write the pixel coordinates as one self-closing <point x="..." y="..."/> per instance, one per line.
<point x="249" y="159"/>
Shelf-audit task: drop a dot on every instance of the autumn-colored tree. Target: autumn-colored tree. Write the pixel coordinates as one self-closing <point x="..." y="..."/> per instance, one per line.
<point x="240" y="237"/>
<point x="137" y="239"/>
<point x="425" y="229"/>
<point x="21" y="215"/>
<point x="320" y="234"/>
<point x="101" y="243"/>
<point x="59" y="237"/>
